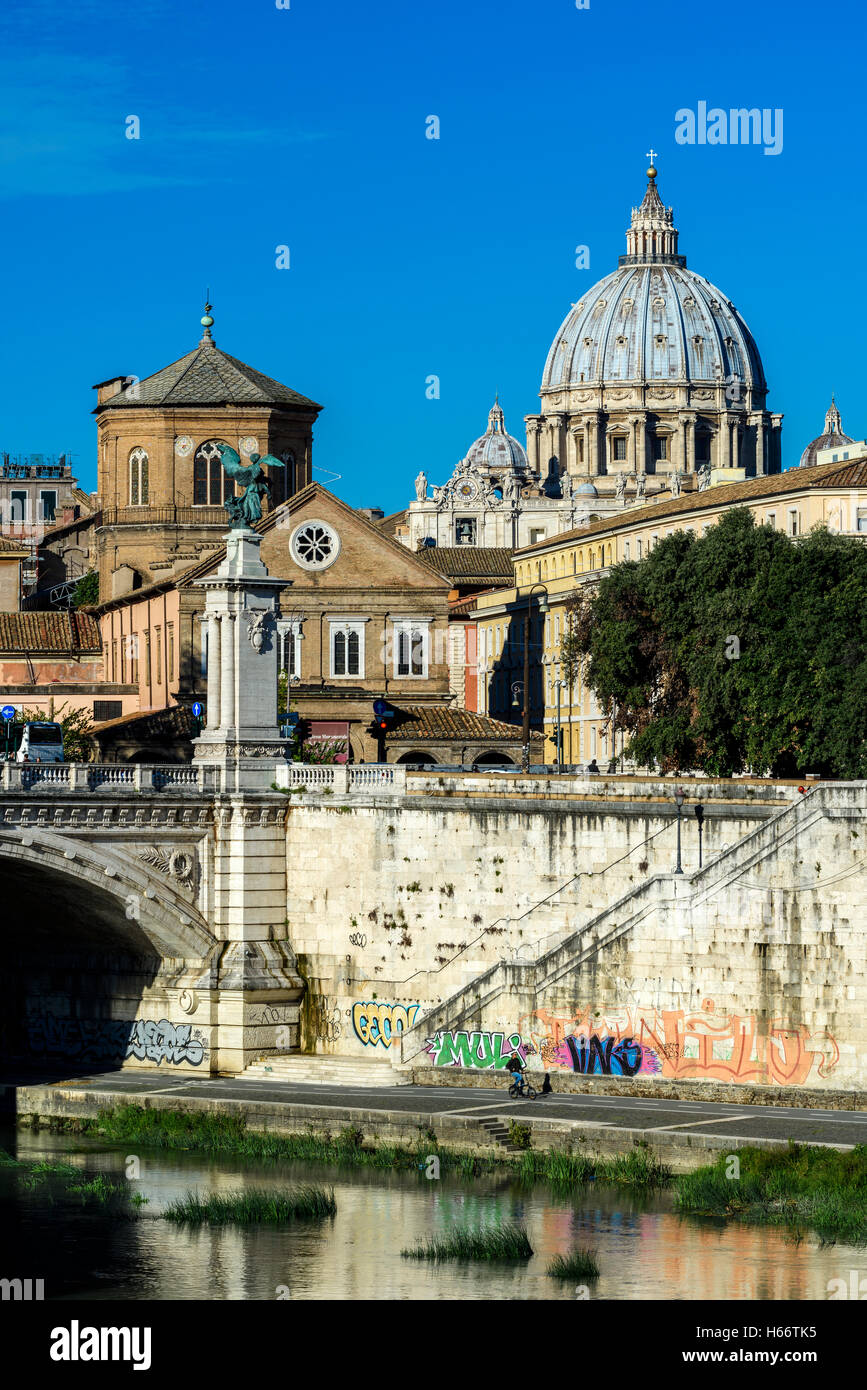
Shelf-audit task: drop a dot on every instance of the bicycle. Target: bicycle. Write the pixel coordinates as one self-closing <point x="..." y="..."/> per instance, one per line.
<point x="520" y="1087"/>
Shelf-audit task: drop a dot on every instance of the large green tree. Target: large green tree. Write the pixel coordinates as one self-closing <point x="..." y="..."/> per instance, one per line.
<point x="740" y="651"/>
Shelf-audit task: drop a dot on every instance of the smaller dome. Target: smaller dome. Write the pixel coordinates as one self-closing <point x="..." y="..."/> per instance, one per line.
<point x="833" y="436"/>
<point x="496" y="451"/>
<point x="586" y="490"/>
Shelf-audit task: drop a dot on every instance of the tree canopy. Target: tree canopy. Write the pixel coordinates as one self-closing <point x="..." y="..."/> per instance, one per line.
<point x="743" y="650"/>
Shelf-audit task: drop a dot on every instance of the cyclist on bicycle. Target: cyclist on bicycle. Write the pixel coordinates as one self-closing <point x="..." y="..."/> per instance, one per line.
<point x="515" y="1065"/>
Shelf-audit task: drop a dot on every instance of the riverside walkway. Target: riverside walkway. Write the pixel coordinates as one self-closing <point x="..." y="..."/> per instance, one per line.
<point x="684" y="1133"/>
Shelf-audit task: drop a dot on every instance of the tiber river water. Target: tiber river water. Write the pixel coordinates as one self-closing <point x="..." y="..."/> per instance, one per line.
<point x="645" y="1249"/>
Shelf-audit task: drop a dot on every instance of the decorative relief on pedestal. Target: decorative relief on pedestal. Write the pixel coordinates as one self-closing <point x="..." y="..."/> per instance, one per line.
<point x="259" y="624"/>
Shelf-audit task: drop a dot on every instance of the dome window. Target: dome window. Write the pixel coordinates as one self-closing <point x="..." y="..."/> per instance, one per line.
<point x="660" y="340"/>
<point x="588" y="342"/>
<point x="659" y="302"/>
<point x="599" y="306"/>
<point x="621" y="341"/>
<point x="698" y="340"/>
<point x="628" y="306"/>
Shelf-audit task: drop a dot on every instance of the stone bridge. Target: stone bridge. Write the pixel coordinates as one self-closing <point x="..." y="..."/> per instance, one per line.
<point x="145" y="911"/>
<point x="145" y="916"/>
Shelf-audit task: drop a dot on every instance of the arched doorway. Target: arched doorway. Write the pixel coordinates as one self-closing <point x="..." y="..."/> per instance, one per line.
<point x="425" y="759"/>
<point x="493" y="759"/>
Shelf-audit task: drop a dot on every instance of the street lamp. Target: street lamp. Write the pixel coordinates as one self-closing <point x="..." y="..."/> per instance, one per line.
<point x="699" y="815"/>
<point x="679" y="797"/>
<point x="543" y="609"/>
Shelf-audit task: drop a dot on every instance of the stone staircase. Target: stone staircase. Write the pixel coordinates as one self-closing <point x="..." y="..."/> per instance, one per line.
<point x="532" y="980"/>
<point x="324" y="1071"/>
<point x="498" y="1130"/>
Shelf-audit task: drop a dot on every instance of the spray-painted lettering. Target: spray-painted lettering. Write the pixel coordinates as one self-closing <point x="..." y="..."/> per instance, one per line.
<point x="482" y="1051"/>
<point x="102" y="1039"/>
<point x="382" y="1023"/>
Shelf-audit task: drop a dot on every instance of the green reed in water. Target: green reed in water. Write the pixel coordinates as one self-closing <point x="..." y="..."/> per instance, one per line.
<point x="249" y="1208"/>
<point x="490" y="1243"/>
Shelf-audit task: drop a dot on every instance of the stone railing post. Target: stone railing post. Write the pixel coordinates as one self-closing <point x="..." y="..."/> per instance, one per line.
<point x="340" y="785"/>
<point x="12" y="777"/>
<point x="78" y="778"/>
<point x="143" y="778"/>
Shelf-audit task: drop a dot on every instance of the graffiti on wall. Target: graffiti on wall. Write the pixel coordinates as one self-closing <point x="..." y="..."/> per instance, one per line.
<point x="382" y="1023"/>
<point x="116" y="1040"/>
<point x="483" y="1051"/>
<point x="680" y="1044"/>
<point x="325" y="1018"/>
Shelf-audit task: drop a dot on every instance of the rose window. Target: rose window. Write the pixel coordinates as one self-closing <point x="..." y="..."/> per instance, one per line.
<point x="315" y="545"/>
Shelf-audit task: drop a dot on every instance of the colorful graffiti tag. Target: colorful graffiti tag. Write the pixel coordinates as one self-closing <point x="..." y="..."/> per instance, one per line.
<point x="381" y="1023"/>
<point x="485" y="1051"/>
<point x="680" y="1044"/>
<point x="104" y="1039"/>
<point x="606" y="1056"/>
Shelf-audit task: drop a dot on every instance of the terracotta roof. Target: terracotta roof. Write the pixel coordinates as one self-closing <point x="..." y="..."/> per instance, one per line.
<point x="206" y="376"/>
<point x="389" y="524"/>
<point x="49" y="632"/>
<point x="414" y="723"/>
<point x="176" y="721"/>
<point x="464" y="605"/>
<point x="476" y="562"/>
<point x="770" y="485"/>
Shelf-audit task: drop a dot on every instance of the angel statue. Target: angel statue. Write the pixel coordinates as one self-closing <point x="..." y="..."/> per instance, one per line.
<point x="247" y="508"/>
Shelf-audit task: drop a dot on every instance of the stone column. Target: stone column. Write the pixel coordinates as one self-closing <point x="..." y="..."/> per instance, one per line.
<point x="591" y="466"/>
<point x="532" y="423"/>
<point x="572" y="464"/>
<point x="689" y="443"/>
<point x="213" y="666"/>
<point x="640" y="443"/>
<point x="761" y="468"/>
<point x="227" y="670"/>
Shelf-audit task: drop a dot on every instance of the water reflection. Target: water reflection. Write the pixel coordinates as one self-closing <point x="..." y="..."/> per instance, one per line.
<point x="645" y="1249"/>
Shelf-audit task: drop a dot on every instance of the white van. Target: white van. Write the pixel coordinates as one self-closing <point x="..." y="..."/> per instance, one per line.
<point x="37" y="743"/>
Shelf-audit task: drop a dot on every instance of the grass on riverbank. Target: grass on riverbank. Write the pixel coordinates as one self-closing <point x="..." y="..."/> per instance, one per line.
<point x="578" y="1264"/>
<point x="801" y="1186"/>
<point x="220" y="1133"/>
<point x="490" y="1243"/>
<point x="249" y="1208"/>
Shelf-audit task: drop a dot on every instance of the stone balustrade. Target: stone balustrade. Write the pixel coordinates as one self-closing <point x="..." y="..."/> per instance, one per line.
<point x="342" y="779"/>
<point x="106" y="777"/>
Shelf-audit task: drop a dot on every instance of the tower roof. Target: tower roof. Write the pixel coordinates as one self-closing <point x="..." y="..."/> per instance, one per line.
<point x="207" y="376"/>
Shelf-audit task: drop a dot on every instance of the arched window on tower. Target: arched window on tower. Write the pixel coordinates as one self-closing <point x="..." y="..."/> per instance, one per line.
<point x="211" y="486"/>
<point x="284" y="482"/>
<point x="138" y="477"/>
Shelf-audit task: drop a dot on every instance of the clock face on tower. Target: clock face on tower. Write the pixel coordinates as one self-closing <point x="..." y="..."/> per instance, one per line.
<point x="466" y="491"/>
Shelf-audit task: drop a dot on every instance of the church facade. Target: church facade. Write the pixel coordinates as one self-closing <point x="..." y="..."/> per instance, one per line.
<point x="493" y="499"/>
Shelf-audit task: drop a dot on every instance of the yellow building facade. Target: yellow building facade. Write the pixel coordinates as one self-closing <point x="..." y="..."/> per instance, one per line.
<point x="548" y="573"/>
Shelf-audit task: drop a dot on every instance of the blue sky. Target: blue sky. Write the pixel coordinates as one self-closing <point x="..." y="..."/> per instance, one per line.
<point x="409" y="257"/>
